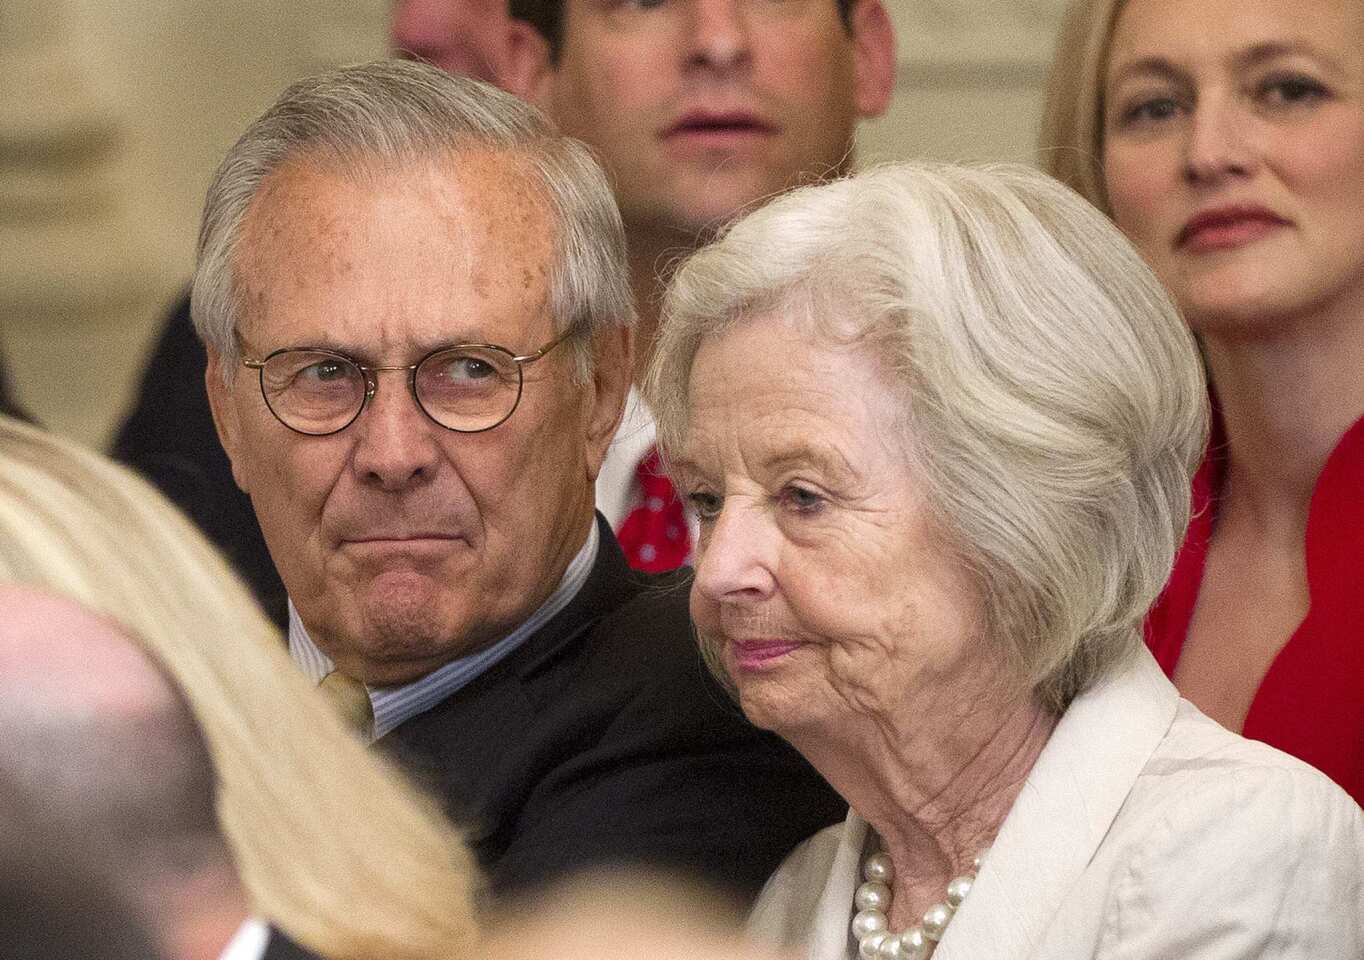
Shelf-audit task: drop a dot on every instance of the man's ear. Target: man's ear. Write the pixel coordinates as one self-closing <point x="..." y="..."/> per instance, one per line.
<point x="225" y="419"/>
<point x="527" y="72"/>
<point x="612" y="369"/>
<point x="874" y="65"/>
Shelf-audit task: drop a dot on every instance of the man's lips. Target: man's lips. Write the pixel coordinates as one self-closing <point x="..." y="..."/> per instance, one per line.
<point x="718" y="125"/>
<point x="397" y="537"/>
<point x="399" y="544"/>
<point x="1227" y="227"/>
<point x="755" y="653"/>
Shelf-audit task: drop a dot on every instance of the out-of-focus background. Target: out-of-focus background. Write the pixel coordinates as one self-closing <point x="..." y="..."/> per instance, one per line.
<point x="112" y="116"/>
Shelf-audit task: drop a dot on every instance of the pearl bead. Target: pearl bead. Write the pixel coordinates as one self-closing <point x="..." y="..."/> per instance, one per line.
<point x="868" y="921"/>
<point x="869" y="947"/>
<point x="956" y="891"/>
<point x="878" y="867"/>
<point x="872" y="895"/>
<point x="898" y="948"/>
<point x="936" y="920"/>
<point x="871" y="924"/>
<point x="914" y="945"/>
<point x="975" y="864"/>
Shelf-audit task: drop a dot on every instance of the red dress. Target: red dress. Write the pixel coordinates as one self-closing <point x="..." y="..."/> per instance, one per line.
<point x="1311" y="701"/>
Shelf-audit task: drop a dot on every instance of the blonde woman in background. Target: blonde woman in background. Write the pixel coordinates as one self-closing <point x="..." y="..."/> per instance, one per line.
<point x="1226" y="139"/>
<point x="332" y="845"/>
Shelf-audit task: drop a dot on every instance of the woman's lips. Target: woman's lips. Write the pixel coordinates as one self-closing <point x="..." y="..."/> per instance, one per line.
<point x="1227" y="229"/>
<point x="755" y="654"/>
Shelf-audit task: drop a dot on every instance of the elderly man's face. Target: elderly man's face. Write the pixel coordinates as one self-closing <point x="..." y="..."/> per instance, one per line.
<point x="701" y="107"/>
<point x="820" y="580"/>
<point x="403" y="544"/>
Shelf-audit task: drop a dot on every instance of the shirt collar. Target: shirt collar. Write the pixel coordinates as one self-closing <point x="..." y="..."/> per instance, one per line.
<point x="394" y="704"/>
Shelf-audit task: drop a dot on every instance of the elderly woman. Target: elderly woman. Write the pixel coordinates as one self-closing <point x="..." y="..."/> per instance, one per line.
<point x="938" y="425"/>
<point x="1226" y="139"/>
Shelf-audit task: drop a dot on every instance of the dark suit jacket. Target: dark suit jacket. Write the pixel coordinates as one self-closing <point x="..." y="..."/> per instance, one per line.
<point x="604" y="740"/>
<point x="170" y="439"/>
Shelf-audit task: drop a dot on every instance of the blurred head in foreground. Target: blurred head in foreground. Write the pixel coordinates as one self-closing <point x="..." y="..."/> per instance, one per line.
<point x="330" y="844"/>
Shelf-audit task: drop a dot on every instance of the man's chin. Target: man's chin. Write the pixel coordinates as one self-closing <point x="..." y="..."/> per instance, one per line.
<point x="399" y="628"/>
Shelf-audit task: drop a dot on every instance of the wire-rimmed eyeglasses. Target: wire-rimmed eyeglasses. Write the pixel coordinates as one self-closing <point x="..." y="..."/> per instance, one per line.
<point x="467" y="387"/>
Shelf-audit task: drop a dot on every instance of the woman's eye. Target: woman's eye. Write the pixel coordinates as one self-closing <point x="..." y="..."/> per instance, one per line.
<point x="1149" y="111"/>
<point x="802" y="499"/>
<point x="1290" y="89"/>
<point x="706" y="505"/>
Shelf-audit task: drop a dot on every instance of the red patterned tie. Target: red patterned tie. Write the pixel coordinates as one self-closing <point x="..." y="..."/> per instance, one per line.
<point x="655" y="536"/>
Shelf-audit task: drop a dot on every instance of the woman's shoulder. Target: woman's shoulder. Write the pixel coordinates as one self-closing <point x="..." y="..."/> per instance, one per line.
<point x="1223" y="847"/>
<point x="1199" y="757"/>
<point x="789" y="910"/>
<point x="1272" y="849"/>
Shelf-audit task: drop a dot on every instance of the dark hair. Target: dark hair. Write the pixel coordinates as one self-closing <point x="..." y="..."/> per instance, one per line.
<point x="547" y="17"/>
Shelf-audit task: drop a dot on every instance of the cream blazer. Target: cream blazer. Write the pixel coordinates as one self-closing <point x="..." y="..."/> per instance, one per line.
<point x="1145" y="830"/>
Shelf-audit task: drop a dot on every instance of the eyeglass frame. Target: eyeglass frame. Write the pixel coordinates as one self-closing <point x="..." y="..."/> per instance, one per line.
<point x="372" y="382"/>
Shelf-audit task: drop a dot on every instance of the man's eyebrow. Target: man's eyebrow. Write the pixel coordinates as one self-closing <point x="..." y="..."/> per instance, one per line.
<point x="419" y="348"/>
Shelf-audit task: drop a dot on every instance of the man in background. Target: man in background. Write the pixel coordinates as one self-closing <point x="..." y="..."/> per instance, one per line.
<point x="700" y="110"/>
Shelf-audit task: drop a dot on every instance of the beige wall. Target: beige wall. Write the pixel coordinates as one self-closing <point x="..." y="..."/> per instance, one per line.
<point x="114" y="114"/>
<point x="112" y="118"/>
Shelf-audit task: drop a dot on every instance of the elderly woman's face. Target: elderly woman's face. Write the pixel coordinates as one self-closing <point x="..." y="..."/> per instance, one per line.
<point x="820" y="581"/>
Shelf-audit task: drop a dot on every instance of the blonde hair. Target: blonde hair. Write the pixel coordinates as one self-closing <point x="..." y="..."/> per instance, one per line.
<point x="331" y="843"/>
<point x="1054" y="405"/>
<point x="1071" y="138"/>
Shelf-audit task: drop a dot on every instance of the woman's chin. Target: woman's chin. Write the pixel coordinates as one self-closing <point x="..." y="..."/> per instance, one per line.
<point x="774" y="706"/>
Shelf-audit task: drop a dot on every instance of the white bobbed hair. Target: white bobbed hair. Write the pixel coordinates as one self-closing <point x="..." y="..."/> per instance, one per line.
<point x="1054" y="401"/>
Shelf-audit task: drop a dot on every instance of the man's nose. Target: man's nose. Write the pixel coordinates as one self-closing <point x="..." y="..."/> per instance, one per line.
<point x="719" y="33"/>
<point x="736" y="558"/>
<point x="397" y="445"/>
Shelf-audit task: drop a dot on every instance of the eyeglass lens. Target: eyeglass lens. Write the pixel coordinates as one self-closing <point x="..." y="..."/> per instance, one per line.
<point x="467" y="388"/>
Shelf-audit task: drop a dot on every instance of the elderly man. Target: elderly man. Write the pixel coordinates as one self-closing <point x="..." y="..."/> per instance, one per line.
<point x="419" y="334"/>
<point x="168" y="435"/>
<point x="700" y="109"/>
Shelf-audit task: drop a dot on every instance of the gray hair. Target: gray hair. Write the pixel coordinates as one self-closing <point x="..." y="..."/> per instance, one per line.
<point x="392" y="112"/>
<point x="1054" y="402"/>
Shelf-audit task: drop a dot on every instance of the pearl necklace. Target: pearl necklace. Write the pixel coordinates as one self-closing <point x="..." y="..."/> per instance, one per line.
<point x="870" y="927"/>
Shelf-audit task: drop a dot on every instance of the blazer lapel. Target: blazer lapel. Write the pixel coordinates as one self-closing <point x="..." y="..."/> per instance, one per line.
<point x="1065" y="808"/>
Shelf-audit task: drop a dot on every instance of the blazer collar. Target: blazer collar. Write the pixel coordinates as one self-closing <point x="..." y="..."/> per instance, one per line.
<point x="610" y="583"/>
<point x="1066" y="806"/>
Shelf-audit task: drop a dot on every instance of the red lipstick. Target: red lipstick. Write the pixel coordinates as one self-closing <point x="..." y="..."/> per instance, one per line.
<point x="1226" y="228"/>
